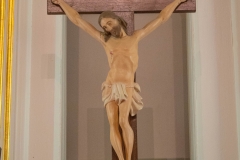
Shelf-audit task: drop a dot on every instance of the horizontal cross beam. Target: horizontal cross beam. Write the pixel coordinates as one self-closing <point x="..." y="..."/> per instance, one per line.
<point x="142" y="6"/>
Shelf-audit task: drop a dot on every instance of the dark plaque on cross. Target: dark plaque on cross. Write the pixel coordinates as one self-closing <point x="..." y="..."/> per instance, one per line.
<point x="126" y="10"/>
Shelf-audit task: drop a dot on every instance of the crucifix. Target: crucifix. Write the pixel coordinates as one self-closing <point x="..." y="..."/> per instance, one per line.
<point x="120" y="92"/>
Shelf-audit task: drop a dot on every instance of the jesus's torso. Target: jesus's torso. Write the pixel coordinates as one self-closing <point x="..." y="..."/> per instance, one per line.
<point x="122" y="54"/>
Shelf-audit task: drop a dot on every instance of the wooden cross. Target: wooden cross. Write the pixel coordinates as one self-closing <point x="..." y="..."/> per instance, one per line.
<point x="125" y="9"/>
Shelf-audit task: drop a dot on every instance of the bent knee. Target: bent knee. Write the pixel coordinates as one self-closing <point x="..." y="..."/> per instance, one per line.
<point x="113" y="123"/>
<point x="113" y="120"/>
<point x="123" y="122"/>
<point x="112" y="113"/>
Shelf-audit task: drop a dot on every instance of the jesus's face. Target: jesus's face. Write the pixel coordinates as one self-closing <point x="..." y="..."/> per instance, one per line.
<point x="112" y="26"/>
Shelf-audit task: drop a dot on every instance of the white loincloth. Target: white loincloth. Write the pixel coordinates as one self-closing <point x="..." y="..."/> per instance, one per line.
<point x="118" y="94"/>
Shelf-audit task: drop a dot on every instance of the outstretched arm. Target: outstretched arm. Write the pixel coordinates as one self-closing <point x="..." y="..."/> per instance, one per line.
<point x="162" y="17"/>
<point x="75" y="18"/>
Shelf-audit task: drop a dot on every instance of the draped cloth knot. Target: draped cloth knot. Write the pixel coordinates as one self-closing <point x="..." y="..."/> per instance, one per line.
<point x="117" y="92"/>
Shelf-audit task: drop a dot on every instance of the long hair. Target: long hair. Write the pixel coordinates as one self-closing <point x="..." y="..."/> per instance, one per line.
<point x="110" y="14"/>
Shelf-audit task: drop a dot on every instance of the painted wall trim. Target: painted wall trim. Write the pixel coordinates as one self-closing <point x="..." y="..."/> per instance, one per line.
<point x="22" y="87"/>
<point x="60" y="89"/>
<point x="235" y="44"/>
<point x="194" y="102"/>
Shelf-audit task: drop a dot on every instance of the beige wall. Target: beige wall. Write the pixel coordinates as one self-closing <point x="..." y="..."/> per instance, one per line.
<point x="162" y="74"/>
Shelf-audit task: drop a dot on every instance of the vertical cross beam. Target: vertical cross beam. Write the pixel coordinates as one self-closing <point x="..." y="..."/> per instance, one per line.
<point x="129" y="18"/>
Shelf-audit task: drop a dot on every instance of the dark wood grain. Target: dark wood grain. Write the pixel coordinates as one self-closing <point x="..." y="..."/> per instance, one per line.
<point x="97" y="6"/>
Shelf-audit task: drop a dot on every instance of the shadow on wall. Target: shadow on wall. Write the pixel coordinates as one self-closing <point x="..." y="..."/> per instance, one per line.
<point x="72" y="91"/>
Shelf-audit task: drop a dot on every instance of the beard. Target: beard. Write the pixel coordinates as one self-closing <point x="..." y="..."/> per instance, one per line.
<point x="116" y="30"/>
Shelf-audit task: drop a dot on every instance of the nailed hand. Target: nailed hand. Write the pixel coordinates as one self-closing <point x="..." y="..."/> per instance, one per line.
<point x="56" y="2"/>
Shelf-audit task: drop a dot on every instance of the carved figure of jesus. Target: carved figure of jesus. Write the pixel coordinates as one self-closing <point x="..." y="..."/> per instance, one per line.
<point x="119" y="92"/>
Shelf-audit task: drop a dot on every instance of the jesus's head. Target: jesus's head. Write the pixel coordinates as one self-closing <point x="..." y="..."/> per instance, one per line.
<point x="112" y="25"/>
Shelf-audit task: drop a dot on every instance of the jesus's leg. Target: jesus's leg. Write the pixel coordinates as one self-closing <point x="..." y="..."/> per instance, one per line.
<point x="115" y="137"/>
<point x="128" y="135"/>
